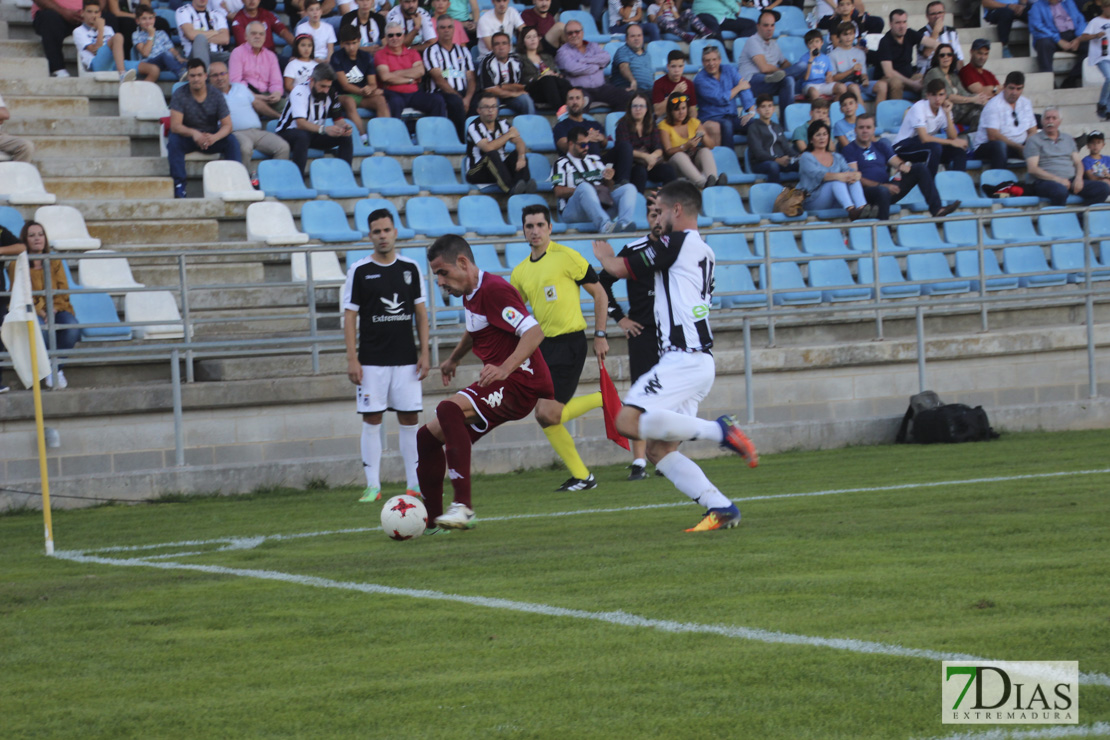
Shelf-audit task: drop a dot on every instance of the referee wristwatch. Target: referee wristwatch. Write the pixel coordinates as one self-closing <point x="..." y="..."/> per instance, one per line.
<point x="600" y="335"/>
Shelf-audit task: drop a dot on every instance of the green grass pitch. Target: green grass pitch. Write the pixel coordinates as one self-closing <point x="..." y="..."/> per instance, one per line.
<point x="606" y="621"/>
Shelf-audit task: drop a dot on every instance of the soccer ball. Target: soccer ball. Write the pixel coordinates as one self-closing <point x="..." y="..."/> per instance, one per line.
<point x="404" y="517"/>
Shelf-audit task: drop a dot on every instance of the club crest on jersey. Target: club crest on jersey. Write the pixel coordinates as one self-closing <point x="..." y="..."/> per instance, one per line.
<point x="550" y="293"/>
<point x="511" y="316"/>
<point x="408" y="277"/>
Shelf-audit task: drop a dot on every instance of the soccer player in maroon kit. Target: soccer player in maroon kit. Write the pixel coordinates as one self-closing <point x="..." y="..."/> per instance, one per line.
<point x="506" y="338"/>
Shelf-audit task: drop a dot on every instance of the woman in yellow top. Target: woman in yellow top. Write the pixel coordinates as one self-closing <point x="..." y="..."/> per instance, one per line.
<point x="683" y="143"/>
<point x="34" y="236"/>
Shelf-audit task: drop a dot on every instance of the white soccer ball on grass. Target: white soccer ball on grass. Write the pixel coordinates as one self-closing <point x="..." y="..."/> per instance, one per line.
<point x="404" y="517"/>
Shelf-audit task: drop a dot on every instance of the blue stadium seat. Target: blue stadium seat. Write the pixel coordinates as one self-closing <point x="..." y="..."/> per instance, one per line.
<point x="383" y="175"/>
<point x="953" y="185"/>
<point x="729" y="246"/>
<point x="723" y="205"/>
<point x="93" y="308"/>
<point x="796" y="114"/>
<point x="11" y="219"/>
<point x="515" y="253"/>
<point x="1016" y="260"/>
<point x="967" y="266"/>
<point x="611" y="49"/>
<point x="891" y="280"/>
<point x="835" y="280"/>
<point x="889" y="115"/>
<point x="738" y="44"/>
<point x="914" y="201"/>
<point x="536" y="133"/>
<point x="1054" y="226"/>
<point x="791" y="23"/>
<point x="434" y="173"/>
<point x="611" y="122"/>
<point x="788" y="276"/>
<point x="917" y="235"/>
<point x="516" y="207"/>
<point x="390" y="135"/>
<point x="730" y="279"/>
<point x="280" y="178"/>
<point x="782" y="244"/>
<point x="697" y="46"/>
<point x="965" y="233"/>
<point x="994" y="177"/>
<point x="485" y="255"/>
<point x="762" y="196"/>
<point x="1012" y="225"/>
<point x="793" y="48"/>
<point x="859" y="238"/>
<point x="824" y="241"/>
<point x="326" y="221"/>
<point x="354" y="256"/>
<point x="728" y="164"/>
<point x="1068" y="256"/>
<point x="1098" y="221"/>
<point x="540" y="170"/>
<point x="333" y="178"/>
<point x="429" y="216"/>
<point x="438" y="135"/>
<point x="366" y="206"/>
<point x="482" y="215"/>
<point x="658" y="51"/>
<point x="933" y="266"/>
<point x="1057" y="228"/>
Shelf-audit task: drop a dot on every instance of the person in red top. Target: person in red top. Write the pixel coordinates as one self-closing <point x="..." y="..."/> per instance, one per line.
<point x="251" y="12"/>
<point x="975" y="76"/>
<point x="547" y="23"/>
<point x="514" y="377"/>
<point x="674" y="81"/>
<point x="400" y="70"/>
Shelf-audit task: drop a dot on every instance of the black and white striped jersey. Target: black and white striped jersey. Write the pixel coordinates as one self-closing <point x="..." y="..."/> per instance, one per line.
<point x="304" y="104"/>
<point x="454" y="63"/>
<point x="681" y="264"/>
<point x="570" y="171"/>
<point x="495" y="73"/>
<point x="476" y="132"/>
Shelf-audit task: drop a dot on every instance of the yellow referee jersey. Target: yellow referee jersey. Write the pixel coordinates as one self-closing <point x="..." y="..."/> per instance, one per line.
<point x="550" y="288"/>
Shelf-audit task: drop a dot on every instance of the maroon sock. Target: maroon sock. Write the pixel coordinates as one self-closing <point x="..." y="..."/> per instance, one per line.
<point x="457" y="439"/>
<point x="431" y="466"/>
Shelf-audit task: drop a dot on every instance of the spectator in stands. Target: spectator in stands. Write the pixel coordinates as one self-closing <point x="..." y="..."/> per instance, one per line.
<point x="583" y="62"/>
<point x="501" y="76"/>
<point x="585" y="188"/>
<point x="303" y="62"/>
<point x="674" y="81"/>
<point x="246" y="126"/>
<point x="400" y="71"/>
<point x="623" y="14"/>
<point x="975" y="75"/>
<point x="966" y="106"/>
<point x="769" y="149"/>
<point x="154" y="48"/>
<point x="467" y="13"/>
<point x="252" y="12"/>
<point x="849" y="63"/>
<point x="844" y="130"/>
<point x="257" y="67"/>
<point x="199" y="120"/>
<point x="1096" y="165"/>
<point x="620" y="156"/>
<point x="935" y="28"/>
<point x="439" y="10"/>
<point x="1053" y="163"/>
<point x="204" y="32"/>
<point x="357" y="81"/>
<point x="10" y="246"/>
<point x="1098" y="30"/>
<point x="723" y="15"/>
<point x="637" y="128"/>
<point x="98" y="46"/>
<point x="896" y="56"/>
<point x="861" y="23"/>
<point x="546" y="23"/>
<point x="303" y="123"/>
<point x="826" y="176"/>
<point x="818" y="111"/>
<point x="451" y="73"/>
<point x="419" y="31"/>
<point x="501" y="18"/>
<point x="487" y="159"/>
<point x="1003" y="13"/>
<point x="632" y="66"/>
<point x="873" y="157"/>
<point x="16" y="147"/>
<point x="34" y="237"/>
<point x="764" y="66"/>
<point x="720" y="89"/>
<point x="323" y="34"/>
<point x="53" y="21"/>
<point x="685" y="147"/>
<point x="817" y="80"/>
<point x="370" y="26"/>
<point x="1058" y="25"/>
<point x="683" y="24"/>
<point x="538" y="71"/>
<point x="917" y="139"/>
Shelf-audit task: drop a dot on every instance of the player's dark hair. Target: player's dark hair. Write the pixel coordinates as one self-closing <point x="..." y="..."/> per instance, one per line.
<point x="378" y="214"/>
<point x="349" y="33"/>
<point x="533" y="210"/>
<point x="683" y="192"/>
<point x="449" y="247"/>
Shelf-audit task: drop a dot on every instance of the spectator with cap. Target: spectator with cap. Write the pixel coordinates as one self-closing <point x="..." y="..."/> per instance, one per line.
<point x="1096" y="165"/>
<point x="975" y="75"/>
<point x="1005" y="124"/>
<point x="1055" y="168"/>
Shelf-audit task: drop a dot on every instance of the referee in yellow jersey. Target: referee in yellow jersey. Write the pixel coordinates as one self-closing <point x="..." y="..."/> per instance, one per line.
<point x="549" y="280"/>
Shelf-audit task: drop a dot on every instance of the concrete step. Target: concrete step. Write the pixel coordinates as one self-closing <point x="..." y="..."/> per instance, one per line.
<point x="81" y="126"/>
<point x="45" y="106"/>
<point x="198" y="274"/>
<point x="100" y="166"/>
<point x="234" y="324"/>
<point x="164" y="231"/>
<point x="102" y="97"/>
<point x="154" y="209"/>
<point x="76" y="188"/>
<point x="49" y="147"/>
<point x="331" y="363"/>
<point x="23" y="68"/>
<point x="19" y="48"/>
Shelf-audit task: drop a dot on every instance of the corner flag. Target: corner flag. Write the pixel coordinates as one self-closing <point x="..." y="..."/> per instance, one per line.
<point x="610" y="406"/>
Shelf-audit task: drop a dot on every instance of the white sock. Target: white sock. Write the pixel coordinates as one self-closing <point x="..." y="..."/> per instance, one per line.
<point x="687" y="477"/>
<point x="407" y="439"/>
<point x="669" y="426"/>
<point x="640" y="462"/>
<point x="372" y="454"/>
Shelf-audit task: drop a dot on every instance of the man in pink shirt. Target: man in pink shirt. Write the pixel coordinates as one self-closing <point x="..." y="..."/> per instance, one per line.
<point x="251" y="12"/>
<point x="400" y="70"/>
<point x="53" y="20"/>
<point x="257" y="67"/>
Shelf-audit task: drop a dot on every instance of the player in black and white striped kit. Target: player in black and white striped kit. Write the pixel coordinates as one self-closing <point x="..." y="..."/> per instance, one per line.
<point x="661" y="406"/>
<point x="382" y="299"/>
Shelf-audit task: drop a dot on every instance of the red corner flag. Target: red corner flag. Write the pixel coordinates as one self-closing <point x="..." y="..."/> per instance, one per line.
<point x="610" y="406"/>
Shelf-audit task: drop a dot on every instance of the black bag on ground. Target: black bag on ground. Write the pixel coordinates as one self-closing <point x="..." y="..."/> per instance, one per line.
<point x="928" y="420"/>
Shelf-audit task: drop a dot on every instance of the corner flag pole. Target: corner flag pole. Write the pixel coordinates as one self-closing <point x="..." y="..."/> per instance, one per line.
<point x="40" y="432"/>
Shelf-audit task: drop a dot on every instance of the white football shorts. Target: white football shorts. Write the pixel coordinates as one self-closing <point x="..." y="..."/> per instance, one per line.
<point x="389" y="388"/>
<point x="678" y="382"/>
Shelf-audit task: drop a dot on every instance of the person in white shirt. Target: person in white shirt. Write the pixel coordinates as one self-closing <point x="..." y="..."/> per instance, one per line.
<point x="420" y="31"/>
<point x="1006" y="122"/>
<point x="323" y="34"/>
<point x="917" y="139"/>
<point x="504" y="18"/>
<point x="246" y="126"/>
<point x="197" y="24"/>
<point x="98" y="46"/>
<point x="1098" y="54"/>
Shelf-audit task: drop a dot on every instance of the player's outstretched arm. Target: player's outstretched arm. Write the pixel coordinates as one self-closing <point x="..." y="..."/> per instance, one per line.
<point x="612" y="264"/>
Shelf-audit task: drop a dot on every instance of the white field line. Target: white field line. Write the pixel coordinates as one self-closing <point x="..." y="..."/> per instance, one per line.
<point x="1098" y="728"/>
<point x="618" y="618"/>
<point x="246" y="543"/>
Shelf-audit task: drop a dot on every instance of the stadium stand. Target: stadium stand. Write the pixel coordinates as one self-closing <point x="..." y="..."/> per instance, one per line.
<point x="229" y="181"/>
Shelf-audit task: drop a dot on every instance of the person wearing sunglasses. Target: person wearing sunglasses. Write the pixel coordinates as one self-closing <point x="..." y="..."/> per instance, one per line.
<point x="935" y="29"/>
<point x="400" y="70"/>
<point x="1006" y="122"/>
<point x="966" y="106"/>
<point x="583" y="63"/>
